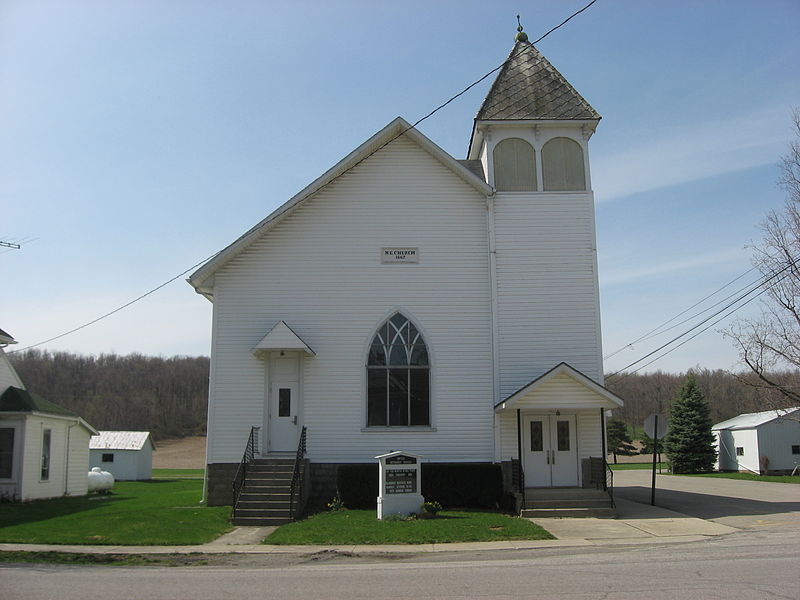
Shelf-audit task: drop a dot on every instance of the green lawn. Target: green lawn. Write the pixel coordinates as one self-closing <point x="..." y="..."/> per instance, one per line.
<point x="362" y="527"/>
<point x="748" y="476"/>
<point x="633" y="466"/>
<point x="135" y="513"/>
<point x="178" y="473"/>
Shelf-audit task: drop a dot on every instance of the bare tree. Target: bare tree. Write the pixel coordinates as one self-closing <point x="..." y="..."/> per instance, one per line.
<point x="770" y="342"/>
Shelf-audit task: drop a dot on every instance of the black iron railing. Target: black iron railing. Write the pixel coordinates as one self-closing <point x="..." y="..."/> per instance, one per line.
<point x="296" y="488"/>
<point x="518" y="473"/>
<point x="608" y="483"/>
<point x="241" y="472"/>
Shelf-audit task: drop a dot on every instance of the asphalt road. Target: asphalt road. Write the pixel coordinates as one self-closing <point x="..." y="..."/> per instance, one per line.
<point x="754" y="564"/>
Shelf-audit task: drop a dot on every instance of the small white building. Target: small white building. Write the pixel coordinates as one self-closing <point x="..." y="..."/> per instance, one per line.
<point x="127" y="455"/>
<point x="44" y="448"/>
<point x="762" y="442"/>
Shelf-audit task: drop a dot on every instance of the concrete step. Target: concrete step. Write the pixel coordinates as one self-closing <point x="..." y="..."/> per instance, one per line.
<point x="533" y="513"/>
<point x="262" y="504"/>
<point x="261" y="513"/>
<point x="259" y="521"/>
<point x="570" y="503"/>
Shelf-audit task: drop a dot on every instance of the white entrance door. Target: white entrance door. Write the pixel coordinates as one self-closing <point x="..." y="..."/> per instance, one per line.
<point x="284" y="403"/>
<point x="550" y="454"/>
<point x="283" y="417"/>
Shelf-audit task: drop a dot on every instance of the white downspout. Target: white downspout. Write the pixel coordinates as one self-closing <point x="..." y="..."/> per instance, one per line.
<point x="495" y="343"/>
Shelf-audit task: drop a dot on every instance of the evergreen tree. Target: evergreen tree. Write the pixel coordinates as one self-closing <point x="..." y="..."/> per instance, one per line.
<point x="690" y="444"/>
<point x="619" y="442"/>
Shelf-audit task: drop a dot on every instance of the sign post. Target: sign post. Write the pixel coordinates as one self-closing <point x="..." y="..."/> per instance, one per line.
<point x="400" y="484"/>
<point x="655" y="426"/>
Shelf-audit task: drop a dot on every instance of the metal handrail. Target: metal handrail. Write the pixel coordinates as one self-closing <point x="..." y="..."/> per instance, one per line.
<point x="297" y="479"/>
<point x="609" y="482"/>
<point x="241" y="472"/>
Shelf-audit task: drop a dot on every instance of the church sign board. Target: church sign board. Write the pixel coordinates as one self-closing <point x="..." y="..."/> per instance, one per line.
<point x="400" y="483"/>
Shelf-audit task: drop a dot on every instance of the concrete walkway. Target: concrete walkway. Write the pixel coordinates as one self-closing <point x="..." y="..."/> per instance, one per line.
<point x="636" y="524"/>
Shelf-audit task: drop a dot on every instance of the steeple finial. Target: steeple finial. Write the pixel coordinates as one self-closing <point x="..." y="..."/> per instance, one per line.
<point x="521" y="35"/>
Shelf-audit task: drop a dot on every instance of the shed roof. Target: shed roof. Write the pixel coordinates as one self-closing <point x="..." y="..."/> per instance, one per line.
<point x="120" y="440"/>
<point x="6" y="338"/>
<point x="750" y="420"/>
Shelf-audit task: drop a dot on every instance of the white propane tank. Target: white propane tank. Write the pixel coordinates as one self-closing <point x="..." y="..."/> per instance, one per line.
<point x="100" y="481"/>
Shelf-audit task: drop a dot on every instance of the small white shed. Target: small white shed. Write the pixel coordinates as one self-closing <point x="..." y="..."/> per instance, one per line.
<point x="127" y="455"/>
<point x="762" y="442"/>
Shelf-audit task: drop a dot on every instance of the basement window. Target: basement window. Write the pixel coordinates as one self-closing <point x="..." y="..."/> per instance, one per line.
<point x="739" y="451"/>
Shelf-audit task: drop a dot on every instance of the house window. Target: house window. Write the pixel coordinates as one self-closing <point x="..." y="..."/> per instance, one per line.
<point x="795" y="449"/>
<point x="562" y="165"/>
<point x="108" y="457"/>
<point x="6" y="452"/>
<point x="398" y="376"/>
<point x="514" y="166"/>
<point x="46" y="435"/>
<point x="739" y="451"/>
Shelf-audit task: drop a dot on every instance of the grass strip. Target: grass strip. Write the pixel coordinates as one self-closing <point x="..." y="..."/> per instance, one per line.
<point x="178" y="473"/>
<point x="136" y="513"/>
<point x="636" y="466"/>
<point x="747" y="476"/>
<point x="362" y="527"/>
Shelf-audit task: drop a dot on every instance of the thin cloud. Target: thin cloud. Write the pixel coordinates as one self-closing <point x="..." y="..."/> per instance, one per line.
<point x="620" y="275"/>
<point x="671" y="157"/>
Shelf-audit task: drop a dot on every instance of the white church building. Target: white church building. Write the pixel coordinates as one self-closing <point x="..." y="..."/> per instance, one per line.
<point x="409" y="300"/>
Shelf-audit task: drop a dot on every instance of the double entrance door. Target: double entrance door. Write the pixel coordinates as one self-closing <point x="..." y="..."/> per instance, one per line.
<point x="550" y="453"/>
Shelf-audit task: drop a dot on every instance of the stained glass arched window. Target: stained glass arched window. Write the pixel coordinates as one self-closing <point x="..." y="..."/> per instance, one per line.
<point x="398" y="376"/>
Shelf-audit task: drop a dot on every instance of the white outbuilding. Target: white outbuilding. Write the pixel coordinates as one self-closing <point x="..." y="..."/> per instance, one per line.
<point x="128" y="455"/>
<point x="762" y="442"/>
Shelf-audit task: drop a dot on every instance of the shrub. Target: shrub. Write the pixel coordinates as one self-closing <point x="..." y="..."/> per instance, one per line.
<point x="453" y="485"/>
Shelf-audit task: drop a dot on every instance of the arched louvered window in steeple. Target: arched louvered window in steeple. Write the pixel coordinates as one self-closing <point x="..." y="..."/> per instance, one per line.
<point x="562" y="165"/>
<point x="514" y="166"/>
<point x="398" y="376"/>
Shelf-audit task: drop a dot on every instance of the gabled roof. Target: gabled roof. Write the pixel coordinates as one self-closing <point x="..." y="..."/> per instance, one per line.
<point x="6" y="338"/>
<point x="281" y="337"/>
<point x="561" y="369"/>
<point x="750" y="420"/>
<point x="397" y="127"/>
<point x="16" y="400"/>
<point x="529" y="87"/>
<point x="120" y="440"/>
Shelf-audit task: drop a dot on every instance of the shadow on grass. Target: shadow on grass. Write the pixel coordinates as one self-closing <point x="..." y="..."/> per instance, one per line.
<point x="42" y="510"/>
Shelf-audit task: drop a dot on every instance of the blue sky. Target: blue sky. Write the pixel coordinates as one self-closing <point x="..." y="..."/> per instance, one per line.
<point x="137" y="138"/>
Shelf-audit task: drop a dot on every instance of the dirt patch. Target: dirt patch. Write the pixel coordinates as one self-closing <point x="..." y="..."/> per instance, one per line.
<point x="182" y="453"/>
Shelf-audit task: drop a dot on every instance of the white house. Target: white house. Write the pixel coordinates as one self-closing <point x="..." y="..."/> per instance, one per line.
<point x="44" y="449"/>
<point x="127" y="455"/>
<point x="759" y="442"/>
<point x="407" y="300"/>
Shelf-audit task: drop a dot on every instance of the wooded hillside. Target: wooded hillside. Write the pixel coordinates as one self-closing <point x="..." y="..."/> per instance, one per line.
<point x="166" y="396"/>
<point x="727" y="395"/>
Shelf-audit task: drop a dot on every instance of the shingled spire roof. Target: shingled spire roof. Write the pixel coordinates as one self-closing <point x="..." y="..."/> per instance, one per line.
<point x="529" y="87"/>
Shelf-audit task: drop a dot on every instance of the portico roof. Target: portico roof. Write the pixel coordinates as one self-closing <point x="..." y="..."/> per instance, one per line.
<point x="562" y="386"/>
<point x="281" y="337"/>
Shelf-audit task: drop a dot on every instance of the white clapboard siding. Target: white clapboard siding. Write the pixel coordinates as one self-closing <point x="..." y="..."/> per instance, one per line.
<point x="319" y="270"/>
<point x="547" y="285"/>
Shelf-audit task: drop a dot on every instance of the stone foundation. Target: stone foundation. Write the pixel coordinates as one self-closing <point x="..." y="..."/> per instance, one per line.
<point x="220" y="479"/>
<point x="323" y="485"/>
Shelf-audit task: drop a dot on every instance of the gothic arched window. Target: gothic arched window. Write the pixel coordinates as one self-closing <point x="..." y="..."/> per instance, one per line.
<point x="562" y="165"/>
<point x="398" y="376"/>
<point x="514" y="166"/>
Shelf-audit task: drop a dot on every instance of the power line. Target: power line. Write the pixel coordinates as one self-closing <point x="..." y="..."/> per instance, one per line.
<point x="254" y="229"/>
<point x="656" y="331"/>
<point x="729" y="305"/>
